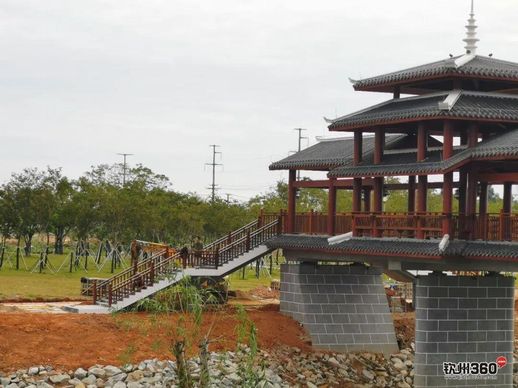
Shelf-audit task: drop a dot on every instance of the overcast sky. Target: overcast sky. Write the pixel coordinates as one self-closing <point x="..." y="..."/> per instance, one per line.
<point x="81" y="81"/>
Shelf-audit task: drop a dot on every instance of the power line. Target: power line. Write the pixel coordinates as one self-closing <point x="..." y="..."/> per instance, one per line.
<point x="300" y="143"/>
<point x="213" y="164"/>
<point x="124" y="168"/>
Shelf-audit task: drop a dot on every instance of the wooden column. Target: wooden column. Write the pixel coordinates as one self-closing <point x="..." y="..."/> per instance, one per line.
<point x="367" y="200"/>
<point x="482" y="210"/>
<point x="411" y="194"/>
<point x="447" y="186"/>
<point x="331" y="208"/>
<point x="508" y="198"/>
<point x="357" y="195"/>
<point x="292" y="191"/>
<point x="506" y="210"/>
<point x="379" y="144"/>
<point x="482" y="205"/>
<point x="358" y="148"/>
<point x="422" y="184"/>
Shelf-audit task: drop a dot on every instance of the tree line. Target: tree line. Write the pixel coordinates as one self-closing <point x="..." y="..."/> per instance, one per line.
<point x="98" y="205"/>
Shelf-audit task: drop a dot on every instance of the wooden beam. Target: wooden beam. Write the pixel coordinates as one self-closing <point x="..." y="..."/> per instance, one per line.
<point x="292" y="191"/>
<point x="498" y="177"/>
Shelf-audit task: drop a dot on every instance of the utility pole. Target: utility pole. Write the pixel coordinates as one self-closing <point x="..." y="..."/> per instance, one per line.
<point x="228" y="198"/>
<point x="300" y="143"/>
<point x="124" y="168"/>
<point x="213" y="164"/>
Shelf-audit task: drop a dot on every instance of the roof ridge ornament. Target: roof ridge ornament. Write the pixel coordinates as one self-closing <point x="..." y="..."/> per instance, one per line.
<point x="471" y="32"/>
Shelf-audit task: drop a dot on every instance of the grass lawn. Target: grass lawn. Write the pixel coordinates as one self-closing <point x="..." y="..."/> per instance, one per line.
<point x="31" y="285"/>
<point x="27" y="285"/>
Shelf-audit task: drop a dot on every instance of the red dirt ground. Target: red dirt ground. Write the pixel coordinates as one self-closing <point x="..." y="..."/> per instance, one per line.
<point x="70" y="341"/>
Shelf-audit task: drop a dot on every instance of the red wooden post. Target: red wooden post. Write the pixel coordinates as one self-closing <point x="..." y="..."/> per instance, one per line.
<point x="331" y="208"/>
<point x="502" y="223"/>
<point x="482" y="210"/>
<point x="422" y="140"/>
<point x="311" y="221"/>
<point x="94" y="291"/>
<point x="110" y="295"/>
<point x="292" y="206"/>
<point x="507" y="209"/>
<point x="411" y="194"/>
<point x="260" y="220"/>
<point x="358" y="147"/>
<point x="216" y="258"/>
<point x="367" y="200"/>
<point x="422" y="188"/>
<point x="379" y="144"/>
<point x="279" y="225"/>
<point x="447" y="186"/>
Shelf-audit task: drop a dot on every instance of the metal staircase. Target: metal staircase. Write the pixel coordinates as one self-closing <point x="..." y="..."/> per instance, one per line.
<point x="162" y="269"/>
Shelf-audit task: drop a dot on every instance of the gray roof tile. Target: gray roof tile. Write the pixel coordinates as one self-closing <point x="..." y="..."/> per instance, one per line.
<point x="470" y="105"/>
<point x="328" y="154"/>
<point x="479" y="66"/>
<point x="504" y="146"/>
<point x="404" y="246"/>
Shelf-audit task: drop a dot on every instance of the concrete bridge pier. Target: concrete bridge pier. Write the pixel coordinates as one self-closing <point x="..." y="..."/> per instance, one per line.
<point x="343" y="307"/>
<point x="464" y="325"/>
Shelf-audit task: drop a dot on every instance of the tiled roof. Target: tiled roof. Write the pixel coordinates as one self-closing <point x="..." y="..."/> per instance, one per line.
<point x="393" y="164"/>
<point x="504" y="146"/>
<point x="404" y="246"/>
<point x="468" y="105"/>
<point x="479" y="66"/>
<point x="328" y="154"/>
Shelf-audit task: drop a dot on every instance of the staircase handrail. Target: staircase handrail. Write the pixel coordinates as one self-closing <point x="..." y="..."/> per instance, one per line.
<point x="121" y="284"/>
<point x="130" y="269"/>
<point x="232" y="234"/>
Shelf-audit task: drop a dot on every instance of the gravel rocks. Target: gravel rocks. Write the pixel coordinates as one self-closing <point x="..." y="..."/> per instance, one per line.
<point x="281" y="367"/>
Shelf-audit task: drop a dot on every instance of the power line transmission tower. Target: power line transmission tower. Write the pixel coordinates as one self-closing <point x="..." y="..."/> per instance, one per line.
<point x="228" y="198"/>
<point x="124" y="168"/>
<point x="213" y="164"/>
<point x="300" y="143"/>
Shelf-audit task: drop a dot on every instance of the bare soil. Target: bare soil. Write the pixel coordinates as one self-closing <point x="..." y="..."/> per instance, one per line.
<point x="70" y="341"/>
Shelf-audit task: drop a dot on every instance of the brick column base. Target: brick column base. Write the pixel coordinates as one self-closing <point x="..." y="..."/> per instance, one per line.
<point x="463" y="319"/>
<point x="343" y="307"/>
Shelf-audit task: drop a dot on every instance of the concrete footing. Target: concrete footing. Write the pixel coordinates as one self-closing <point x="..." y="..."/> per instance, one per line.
<point x="343" y="307"/>
<point x="461" y="321"/>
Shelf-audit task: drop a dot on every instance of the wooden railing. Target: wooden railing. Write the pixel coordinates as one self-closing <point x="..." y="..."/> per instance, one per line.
<point x="489" y="227"/>
<point x="160" y="265"/>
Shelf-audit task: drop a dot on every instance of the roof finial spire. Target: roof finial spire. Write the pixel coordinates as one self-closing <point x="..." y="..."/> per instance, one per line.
<point x="471" y="33"/>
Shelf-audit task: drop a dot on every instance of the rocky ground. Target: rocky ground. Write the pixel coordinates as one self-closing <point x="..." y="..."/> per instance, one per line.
<point x="281" y="367"/>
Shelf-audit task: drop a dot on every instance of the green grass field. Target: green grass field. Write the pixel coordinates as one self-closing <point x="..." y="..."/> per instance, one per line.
<point x="28" y="283"/>
<point x="23" y="284"/>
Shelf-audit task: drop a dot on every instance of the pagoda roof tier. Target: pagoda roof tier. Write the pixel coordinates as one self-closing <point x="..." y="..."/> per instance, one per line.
<point x="331" y="153"/>
<point x="456" y="104"/>
<point x="499" y="148"/>
<point x="474" y="71"/>
<point x="400" y="247"/>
